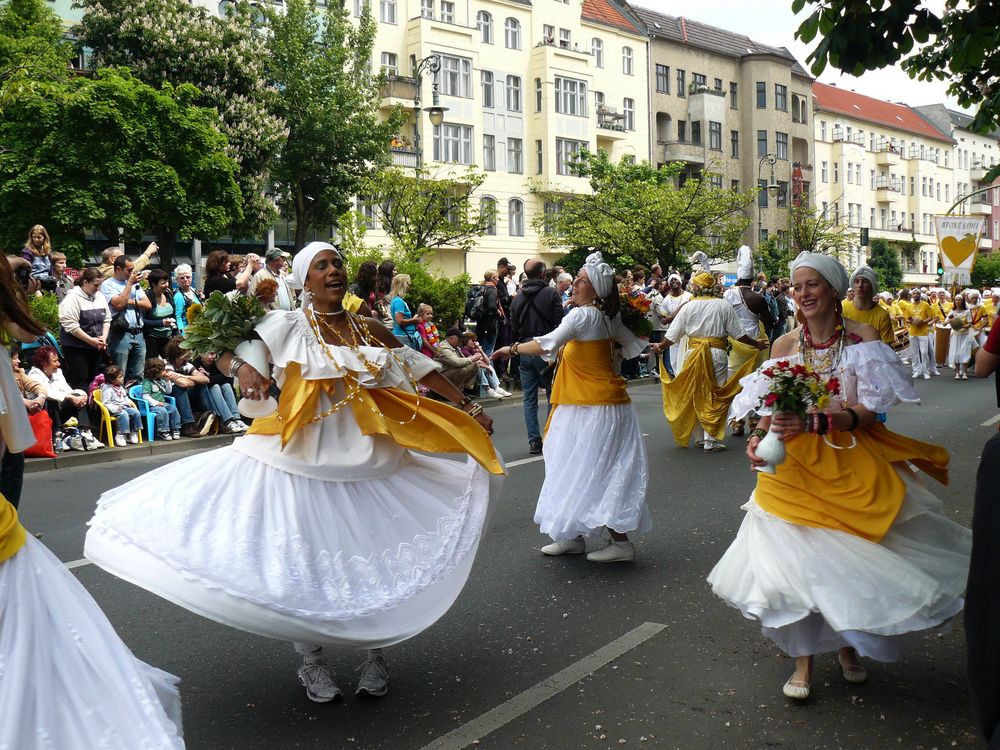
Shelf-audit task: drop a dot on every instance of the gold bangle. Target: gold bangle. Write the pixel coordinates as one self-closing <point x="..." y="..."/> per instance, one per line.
<point x="475" y="411"/>
<point x="513" y="349"/>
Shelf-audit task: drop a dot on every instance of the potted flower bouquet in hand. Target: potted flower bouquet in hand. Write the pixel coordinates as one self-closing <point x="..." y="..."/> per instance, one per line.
<point x="795" y="389"/>
<point x="224" y="324"/>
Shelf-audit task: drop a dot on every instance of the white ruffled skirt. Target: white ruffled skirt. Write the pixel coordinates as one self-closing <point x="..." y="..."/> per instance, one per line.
<point x="595" y="473"/>
<point x="817" y="590"/>
<point x="365" y="564"/>
<point x="67" y="682"/>
<point x="960" y="348"/>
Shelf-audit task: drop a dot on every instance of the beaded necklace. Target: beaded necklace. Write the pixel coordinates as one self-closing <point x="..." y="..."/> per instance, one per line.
<point x="823" y="357"/>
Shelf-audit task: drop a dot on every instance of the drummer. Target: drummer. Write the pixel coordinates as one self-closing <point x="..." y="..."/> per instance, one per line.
<point x="940" y="334"/>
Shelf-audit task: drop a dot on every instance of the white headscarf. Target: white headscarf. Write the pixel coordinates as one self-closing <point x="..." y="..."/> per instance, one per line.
<point x="827" y="267"/>
<point x="677" y="276"/>
<point x="300" y="268"/>
<point x="601" y="275"/>
<point x="865" y="272"/>
<point x="744" y="263"/>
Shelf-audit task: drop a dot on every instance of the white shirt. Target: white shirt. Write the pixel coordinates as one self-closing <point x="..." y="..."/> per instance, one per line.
<point x="671" y="304"/>
<point x="706" y="317"/>
<point x="590" y="324"/>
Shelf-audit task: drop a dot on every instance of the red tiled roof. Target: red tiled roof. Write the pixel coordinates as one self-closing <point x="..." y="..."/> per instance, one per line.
<point x="604" y="12"/>
<point x="840" y="101"/>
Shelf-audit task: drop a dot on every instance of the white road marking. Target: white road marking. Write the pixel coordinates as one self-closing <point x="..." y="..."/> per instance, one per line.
<point x="534" y="696"/>
<point x="78" y="563"/>
<point x="992" y="421"/>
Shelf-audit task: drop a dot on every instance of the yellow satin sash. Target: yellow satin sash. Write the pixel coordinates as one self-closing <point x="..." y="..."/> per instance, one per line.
<point x="856" y="490"/>
<point x="436" y="427"/>
<point x="585" y="377"/>
<point x="741" y="352"/>
<point x="694" y="397"/>
<point x="12" y="533"/>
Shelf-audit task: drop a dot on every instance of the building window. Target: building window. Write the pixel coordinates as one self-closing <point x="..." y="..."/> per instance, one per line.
<point x="715" y="136"/>
<point x="627" y="60"/>
<point x="390" y="63"/>
<point x="387" y="11"/>
<point x="515" y="217"/>
<point x="715" y="180"/>
<point x="456" y="76"/>
<point x="734" y="98"/>
<point x="763" y="235"/>
<point x="628" y="109"/>
<point x="825" y="177"/>
<point x="781" y="97"/>
<point x="484" y="22"/>
<point x="781" y="145"/>
<point x="836" y="172"/>
<point x="488" y="207"/>
<point x="699" y="81"/>
<point x="782" y="197"/>
<point x="538" y="94"/>
<point x="486" y="79"/>
<point x="358" y="5"/>
<point x="427" y="8"/>
<point x="599" y="100"/>
<point x="696" y="132"/>
<point x="761" y="95"/>
<point x="822" y="130"/>
<point x="538" y="157"/>
<point x="512" y="34"/>
<point x="447" y="11"/>
<point x="453" y="143"/>
<point x="489" y="153"/>
<point x="734" y="185"/>
<point x="734" y="144"/>
<point x="681" y="83"/>
<point x="565" y="38"/>
<point x="682" y="131"/>
<point x="718" y="85"/>
<point x="566" y="153"/>
<point x="762" y="193"/>
<point x="548" y="34"/>
<point x="515" y="156"/>
<point x="571" y="97"/>
<point x="514" y="93"/>
<point x="761" y="143"/>
<point x="597" y="50"/>
<point x="367" y="209"/>
<point x="663" y="79"/>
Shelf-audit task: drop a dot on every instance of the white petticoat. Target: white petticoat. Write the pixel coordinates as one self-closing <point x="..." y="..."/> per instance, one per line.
<point x="365" y="564"/>
<point x="595" y="473"/>
<point x="67" y="682"/>
<point x="816" y="590"/>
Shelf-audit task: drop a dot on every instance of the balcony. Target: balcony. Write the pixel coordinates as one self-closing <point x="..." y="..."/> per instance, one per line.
<point x="925" y="154"/>
<point x="397" y="89"/>
<point x="887" y="154"/>
<point x="978" y="171"/>
<point x="610" y="124"/>
<point x="977" y="206"/>
<point x="403" y="156"/>
<point x="683" y="151"/>
<point x="985" y="243"/>
<point x="888" y="190"/>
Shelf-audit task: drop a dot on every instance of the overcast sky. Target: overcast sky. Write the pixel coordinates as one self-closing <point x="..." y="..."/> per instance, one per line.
<point x="772" y="22"/>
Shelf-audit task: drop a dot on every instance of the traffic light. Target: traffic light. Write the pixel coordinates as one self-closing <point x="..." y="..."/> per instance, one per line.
<point x="940" y="270"/>
<point x="864" y="237"/>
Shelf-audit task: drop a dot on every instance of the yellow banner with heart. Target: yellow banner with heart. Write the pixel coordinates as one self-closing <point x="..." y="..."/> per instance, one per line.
<point x="958" y="238"/>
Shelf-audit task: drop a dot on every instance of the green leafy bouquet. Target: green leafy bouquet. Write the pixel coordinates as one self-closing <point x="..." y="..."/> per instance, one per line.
<point x="221" y="323"/>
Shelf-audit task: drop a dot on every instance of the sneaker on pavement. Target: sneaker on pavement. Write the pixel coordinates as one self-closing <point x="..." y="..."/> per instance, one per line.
<point x="504" y="393"/>
<point x="535" y="446"/>
<point x="927" y="376"/>
<point x="566" y="547"/>
<point x="319" y="684"/>
<point x="614" y="552"/>
<point x="374" y="680"/>
<point x="164" y="436"/>
<point x="133" y="438"/>
<point x="90" y="442"/>
<point x="176" y="434"/>
<point x="120" y="440"/>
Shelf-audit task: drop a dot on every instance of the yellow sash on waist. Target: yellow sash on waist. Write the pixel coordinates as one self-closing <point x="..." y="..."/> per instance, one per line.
<point x="741" y="352"/>
<point x="435" y="428"/>
<point x="12" y="534"/>
<point x="586" y="377"/>
<point x="694" y="397"/>
<point x="855" y="490"/>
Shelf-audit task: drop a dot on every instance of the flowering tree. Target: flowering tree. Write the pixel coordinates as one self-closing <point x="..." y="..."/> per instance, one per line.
<point x="171" y="41"/>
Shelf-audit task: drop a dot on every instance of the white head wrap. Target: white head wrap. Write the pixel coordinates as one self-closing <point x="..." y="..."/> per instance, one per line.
<point x="865" y="272"/>
<point x="744" y="263"/>
<point x="601" y="276"/>
<point x="677" y="276"/>
<point x="827" y="267"/>
<point x="701" y="260"/>
<point x="300" y="268"/>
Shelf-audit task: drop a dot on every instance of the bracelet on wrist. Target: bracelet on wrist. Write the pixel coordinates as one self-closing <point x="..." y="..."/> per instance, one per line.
<point x="758" y="432"/>
<point x="855" y="419"/>
<point x="475" y="411"/>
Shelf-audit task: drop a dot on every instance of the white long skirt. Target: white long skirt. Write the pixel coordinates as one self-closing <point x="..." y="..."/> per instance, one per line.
<point x="67" y="681"/>
<point x="365" y="564"/>
<point x="817" y="590"/>
<point x="960" y="348"/>
<point x="595" y="473"/>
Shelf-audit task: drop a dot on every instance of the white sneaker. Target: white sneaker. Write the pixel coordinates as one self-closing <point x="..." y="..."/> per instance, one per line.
<point x="490" y="393"/>
<point x="90" y="442"/>
<point x="566" y="547"/>
<point x="927" y="376"/>
<point x="120" y="440"/>
<point x="319" y="684"/>
<point x="505" y="394"/>
<point x="916" y="375"/>
<point x="133" y="438"/>
<point x="74" y="443"/>
<point x="614" y="552"/>
<point x="176" y="434"/>
<point x="242" y="425"/>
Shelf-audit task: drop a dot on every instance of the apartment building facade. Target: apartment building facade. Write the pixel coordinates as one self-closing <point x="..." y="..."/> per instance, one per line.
<point x="721" y="103"/>
<point x="882" y="166"/>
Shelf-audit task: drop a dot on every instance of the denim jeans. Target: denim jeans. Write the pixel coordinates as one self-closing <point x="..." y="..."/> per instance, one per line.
<point x="183" y="400"/>
<point x="488" y="379"/>
<point x="128" y="350"/>
<point x="127" y="420"/>
<point x="534" y="374"/>
<point x="167" y="418"/>
<point x="223" y="400"/>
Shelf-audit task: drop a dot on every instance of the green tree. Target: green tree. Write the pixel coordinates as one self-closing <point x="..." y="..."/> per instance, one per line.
<point x="172" y="41"/>
<point x="959" y="45"/>
<point x="112" y="152"/>
<point x="636" y="214"/>
<point x="422" y="211"/>
<point x="986" y="272"/>
<point x="818" y="232"/>
<point x="33" y="51"/>
<point x="772" y="260"/>
<point x="884" y="260"/>
<point x="320" y="65"/>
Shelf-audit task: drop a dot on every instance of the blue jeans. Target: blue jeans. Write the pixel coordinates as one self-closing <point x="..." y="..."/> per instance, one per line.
<point x="128" y="350"/>
<point x="127" y="420"/>
<point x="223" y="401"/>
<point x="183" y="400"/>
<point x="167" y="418"/>
<point x="534" y="373"/>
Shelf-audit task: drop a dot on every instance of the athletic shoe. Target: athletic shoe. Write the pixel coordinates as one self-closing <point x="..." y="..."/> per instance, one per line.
<point x="164" y="436"/>
<point x="714" y="448"/>
<point x="503" y="393"/>
<point x="614" y="552"/>
<point x="90" y="442"/>
<point x="535" y="446"/>
<point x="133" y="438"/>
<point x="927" y="376"/>
<point x="319" y="684"/>
<point x="232" y="427"/>
<point x="71" y="423"/>
<point x="374" y="680"/>
<point x="916" y="375"/>
<point x="176" y="434"/>
<point x="566" y="547"/>
<point x="120" y="440"/>
<point x="490" y="393"/>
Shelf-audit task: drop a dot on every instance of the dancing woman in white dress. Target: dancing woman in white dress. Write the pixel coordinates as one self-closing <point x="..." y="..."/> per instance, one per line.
<point x="962" y="338"/>
<point x="595" y="461"/>
<point x="320" y="526"/>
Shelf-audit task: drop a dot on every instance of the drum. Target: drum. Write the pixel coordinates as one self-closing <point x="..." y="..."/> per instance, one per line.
<point x="942" y="341"/>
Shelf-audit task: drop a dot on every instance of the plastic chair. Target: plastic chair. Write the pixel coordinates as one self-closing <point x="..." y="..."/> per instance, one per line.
<point x="135" y="393"/>
<point x="108" y="421"/>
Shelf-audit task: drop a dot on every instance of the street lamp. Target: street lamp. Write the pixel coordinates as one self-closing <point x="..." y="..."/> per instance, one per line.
<point x="772" y="190"/>
<point x="429" y="65"/>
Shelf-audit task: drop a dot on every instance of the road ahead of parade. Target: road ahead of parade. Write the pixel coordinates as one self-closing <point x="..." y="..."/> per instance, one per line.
<point x="559" y="653"/>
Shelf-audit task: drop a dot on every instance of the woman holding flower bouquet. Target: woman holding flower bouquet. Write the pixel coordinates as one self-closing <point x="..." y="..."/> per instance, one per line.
<point x="322" y="525"/>
<point x="595" y="460"/>
<point x="842" y="548"/>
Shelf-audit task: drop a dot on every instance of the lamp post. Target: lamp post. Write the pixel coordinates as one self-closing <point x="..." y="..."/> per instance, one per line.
<point x="429" y="65"/>
<point x="772" y="190"/>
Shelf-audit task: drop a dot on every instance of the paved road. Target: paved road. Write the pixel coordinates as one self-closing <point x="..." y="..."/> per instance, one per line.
<point x="554" y="653"/>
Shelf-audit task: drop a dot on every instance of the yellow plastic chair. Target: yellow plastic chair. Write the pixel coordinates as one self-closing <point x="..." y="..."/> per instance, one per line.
<point x="107" y="421"/>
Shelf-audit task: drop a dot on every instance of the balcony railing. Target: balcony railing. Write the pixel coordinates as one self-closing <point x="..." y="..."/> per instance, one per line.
<point x="403" y="156"/>
<point x="887" y="183"/>
<point x="610" y="118"/>
<point x="398" y="87"/>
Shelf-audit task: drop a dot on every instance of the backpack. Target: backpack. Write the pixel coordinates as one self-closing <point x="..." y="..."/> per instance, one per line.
<point x="772" y="307"/>
<point x="474" y="303"/>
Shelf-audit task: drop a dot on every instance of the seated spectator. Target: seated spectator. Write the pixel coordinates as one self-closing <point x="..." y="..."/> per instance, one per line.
<point x="463" y="372"/>
<point x="154" y="390"/>
<point x="116" y="401"/>
<point x="488" y="380"/>
<point x="430" y="337"/>
<point x="32" y="392"/>
<point x="62" y="402"/>
<point x="221" y="395"/>
<point x="190" y="390"/>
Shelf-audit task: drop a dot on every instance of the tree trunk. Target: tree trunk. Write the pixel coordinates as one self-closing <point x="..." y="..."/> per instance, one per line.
<point x="166" y="238"/>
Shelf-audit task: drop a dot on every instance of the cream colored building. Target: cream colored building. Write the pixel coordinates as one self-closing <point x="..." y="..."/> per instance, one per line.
<point x="721" y="103"/>
<point x="881" y="166"/>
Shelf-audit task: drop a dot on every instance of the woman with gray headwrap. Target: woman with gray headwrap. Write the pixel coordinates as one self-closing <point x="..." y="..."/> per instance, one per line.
<point x="842" y="548"/>
<point x="595" y="460"/>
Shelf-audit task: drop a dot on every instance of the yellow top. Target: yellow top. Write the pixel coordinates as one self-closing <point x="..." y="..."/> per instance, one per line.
<point x="352" y="302"/>
<point x="12" y="534"/>
<point x="586" y="377"/>
<point x="937" y="311"/>
<point x="920" y="310"/>
<point x="947" y="307"/>
<point x="877" y="318"/>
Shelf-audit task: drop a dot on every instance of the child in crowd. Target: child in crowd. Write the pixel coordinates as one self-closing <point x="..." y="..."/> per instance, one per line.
<point x="116" y="401"/>
<point x="487" y="376"/>
<point x="155" y="388"/>
<point x="429" y="334"/>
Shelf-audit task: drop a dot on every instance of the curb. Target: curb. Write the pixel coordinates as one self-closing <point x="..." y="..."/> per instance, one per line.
<point x="74" y="459"/>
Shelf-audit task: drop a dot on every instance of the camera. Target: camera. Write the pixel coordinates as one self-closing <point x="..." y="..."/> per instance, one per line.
<point x="23" y="275"/>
